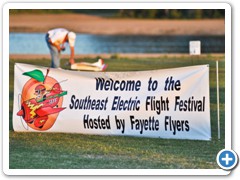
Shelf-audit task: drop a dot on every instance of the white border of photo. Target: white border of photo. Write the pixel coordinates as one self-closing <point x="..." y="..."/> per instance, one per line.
<point x="133" y="5"/>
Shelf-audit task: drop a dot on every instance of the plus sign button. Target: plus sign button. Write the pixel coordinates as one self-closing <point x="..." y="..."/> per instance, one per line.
<point x="227" y="159"/>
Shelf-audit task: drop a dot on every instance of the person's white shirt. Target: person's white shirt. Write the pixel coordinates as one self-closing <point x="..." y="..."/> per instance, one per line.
<point x="58" y="35"/>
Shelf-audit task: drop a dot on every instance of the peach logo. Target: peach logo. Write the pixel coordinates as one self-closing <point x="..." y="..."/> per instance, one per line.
<point x="41" y="102"/>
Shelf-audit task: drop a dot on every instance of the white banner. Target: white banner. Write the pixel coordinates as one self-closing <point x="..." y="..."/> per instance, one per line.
<point x="169" y="103"/>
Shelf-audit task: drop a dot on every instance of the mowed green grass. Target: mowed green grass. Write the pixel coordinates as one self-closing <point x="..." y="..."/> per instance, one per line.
<point x="77" y="151"/>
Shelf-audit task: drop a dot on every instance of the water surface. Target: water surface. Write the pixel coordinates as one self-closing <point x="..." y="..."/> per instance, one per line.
<point x="34" y="43"/>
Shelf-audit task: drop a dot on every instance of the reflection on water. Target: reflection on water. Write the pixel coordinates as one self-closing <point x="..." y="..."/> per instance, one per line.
<point x="34" y="43"/>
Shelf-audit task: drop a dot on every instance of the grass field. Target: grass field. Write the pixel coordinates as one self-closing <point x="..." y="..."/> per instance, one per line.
<point x="77" y="151"/>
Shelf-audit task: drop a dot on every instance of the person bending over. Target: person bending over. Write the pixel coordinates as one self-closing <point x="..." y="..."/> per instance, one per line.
<point x="56" y="39"/>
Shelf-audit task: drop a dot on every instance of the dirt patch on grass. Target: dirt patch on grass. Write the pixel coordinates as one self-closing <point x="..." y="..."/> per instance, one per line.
<point x="82" y="23"/>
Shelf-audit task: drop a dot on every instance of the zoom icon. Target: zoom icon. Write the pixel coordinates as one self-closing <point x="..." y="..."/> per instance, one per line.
<point x="227" y="159"/>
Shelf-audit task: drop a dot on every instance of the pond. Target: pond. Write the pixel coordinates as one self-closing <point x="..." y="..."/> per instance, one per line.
<point x="34" y="43"/>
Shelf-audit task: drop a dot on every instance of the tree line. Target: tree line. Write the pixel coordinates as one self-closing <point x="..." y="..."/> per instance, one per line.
<point x="172" y="13"/>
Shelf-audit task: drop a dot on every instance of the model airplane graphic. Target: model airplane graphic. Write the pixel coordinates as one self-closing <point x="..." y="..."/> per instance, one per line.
<point x="36" y="110"/>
